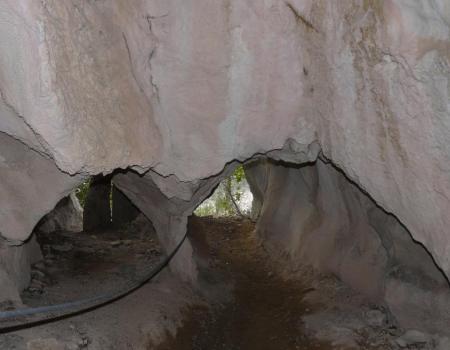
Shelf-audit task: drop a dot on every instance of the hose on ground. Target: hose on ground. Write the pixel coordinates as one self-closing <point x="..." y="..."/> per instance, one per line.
<point x="26" y="317"/>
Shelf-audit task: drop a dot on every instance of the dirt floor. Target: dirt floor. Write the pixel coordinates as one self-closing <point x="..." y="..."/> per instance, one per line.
<point x="269" y="312"/>
<point x="265" y="310"/>
<point x="86" y="264"/>
<point x="90" y="263"/>
<point x="246" y="298"/>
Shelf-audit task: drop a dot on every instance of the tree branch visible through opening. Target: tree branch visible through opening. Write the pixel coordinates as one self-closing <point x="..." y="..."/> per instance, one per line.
<point x="233" y="201"/>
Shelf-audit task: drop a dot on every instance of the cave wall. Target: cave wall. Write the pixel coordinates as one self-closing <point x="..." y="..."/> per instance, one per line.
<point x="15" y="266"/>
<point x="168" y="203"/>
<point x="30" y="185"/>
<point x="256" y="174"/>
<point x="313" y="216"/>
<point x="182" y="87"/>
<point x="66" y="216"/>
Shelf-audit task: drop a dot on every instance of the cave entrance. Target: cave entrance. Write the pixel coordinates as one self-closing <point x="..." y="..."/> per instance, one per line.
<point x="312" y="262"/>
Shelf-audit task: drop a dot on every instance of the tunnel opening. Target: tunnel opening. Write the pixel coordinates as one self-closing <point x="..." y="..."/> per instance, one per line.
<point x="177" y="93"/>
<point x="95" y="205"/>
<point x="277" y="255"/>
<point x="94" y="243"/>
<point x="232" y="197"/>
<point x="314" y="263"/>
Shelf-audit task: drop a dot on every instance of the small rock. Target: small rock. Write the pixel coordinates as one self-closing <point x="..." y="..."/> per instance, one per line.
<point x="63" y="248"/>
<point x="49" y="262"/>
<point x="392" y="330"/>
<point x="7" y="305"/>
<point x="39" y="266"/>
<point x="37" y="284"/>
<point x="115" y="243"/>
<point x="340" y="337"/>
<point x="86" y="250"/>
<point x="376" y="318"/>
<point x="83" y="342"/>
<point x="154" y="251"/>
<point x="35" y="290"/>
<point x="46" y="249"/>
<point x="37" y="273"/>
<point x="412" y="337"/>
<point x="45" y="344"/>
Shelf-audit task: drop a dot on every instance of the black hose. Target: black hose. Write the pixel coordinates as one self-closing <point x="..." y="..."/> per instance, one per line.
<point x="19" y="318"/>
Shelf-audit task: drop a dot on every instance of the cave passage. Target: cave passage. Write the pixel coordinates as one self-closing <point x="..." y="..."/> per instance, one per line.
<point x="282" y="256"/>
<point x="304" y="144"/>
<point x="314" y="264"/>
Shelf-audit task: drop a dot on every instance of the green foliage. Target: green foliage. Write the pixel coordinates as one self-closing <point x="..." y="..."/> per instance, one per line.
<point x="82" y="191"/>
<point x="225" y="201"/>
<point x="239" y="174"/>
<point x="206" y="209"/>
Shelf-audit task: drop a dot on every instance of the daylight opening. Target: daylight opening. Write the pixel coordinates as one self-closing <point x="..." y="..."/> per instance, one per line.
<point x="231" y="198"/>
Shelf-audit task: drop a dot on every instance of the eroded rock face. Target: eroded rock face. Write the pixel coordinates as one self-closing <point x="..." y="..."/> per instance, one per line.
<point x="184" y="87"/>
<point x="313" y="215"/>
<point x="15" y="265"/>
<point x="30" y="184"/>
<point x="167" y="203"/>
<point x="67" y="216"/>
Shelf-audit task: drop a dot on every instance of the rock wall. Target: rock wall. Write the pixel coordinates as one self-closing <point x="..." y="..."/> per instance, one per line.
<point x="256" y="176"/>
<point x="15" y="269"/>
<point x="180" y="88"/>
<point x="66" y="216"/>
<point x="168" y="203"/>
<point x="312" y="215"/>
<point x="30" y="187"/>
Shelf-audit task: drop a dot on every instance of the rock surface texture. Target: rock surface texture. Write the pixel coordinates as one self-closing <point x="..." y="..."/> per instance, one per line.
<point x="313" y="215"/>
<point x="168" y="202"/>
<point x="177" y="89"/>
<point x="67" y="216"/>
<point x="15" y="265"/>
